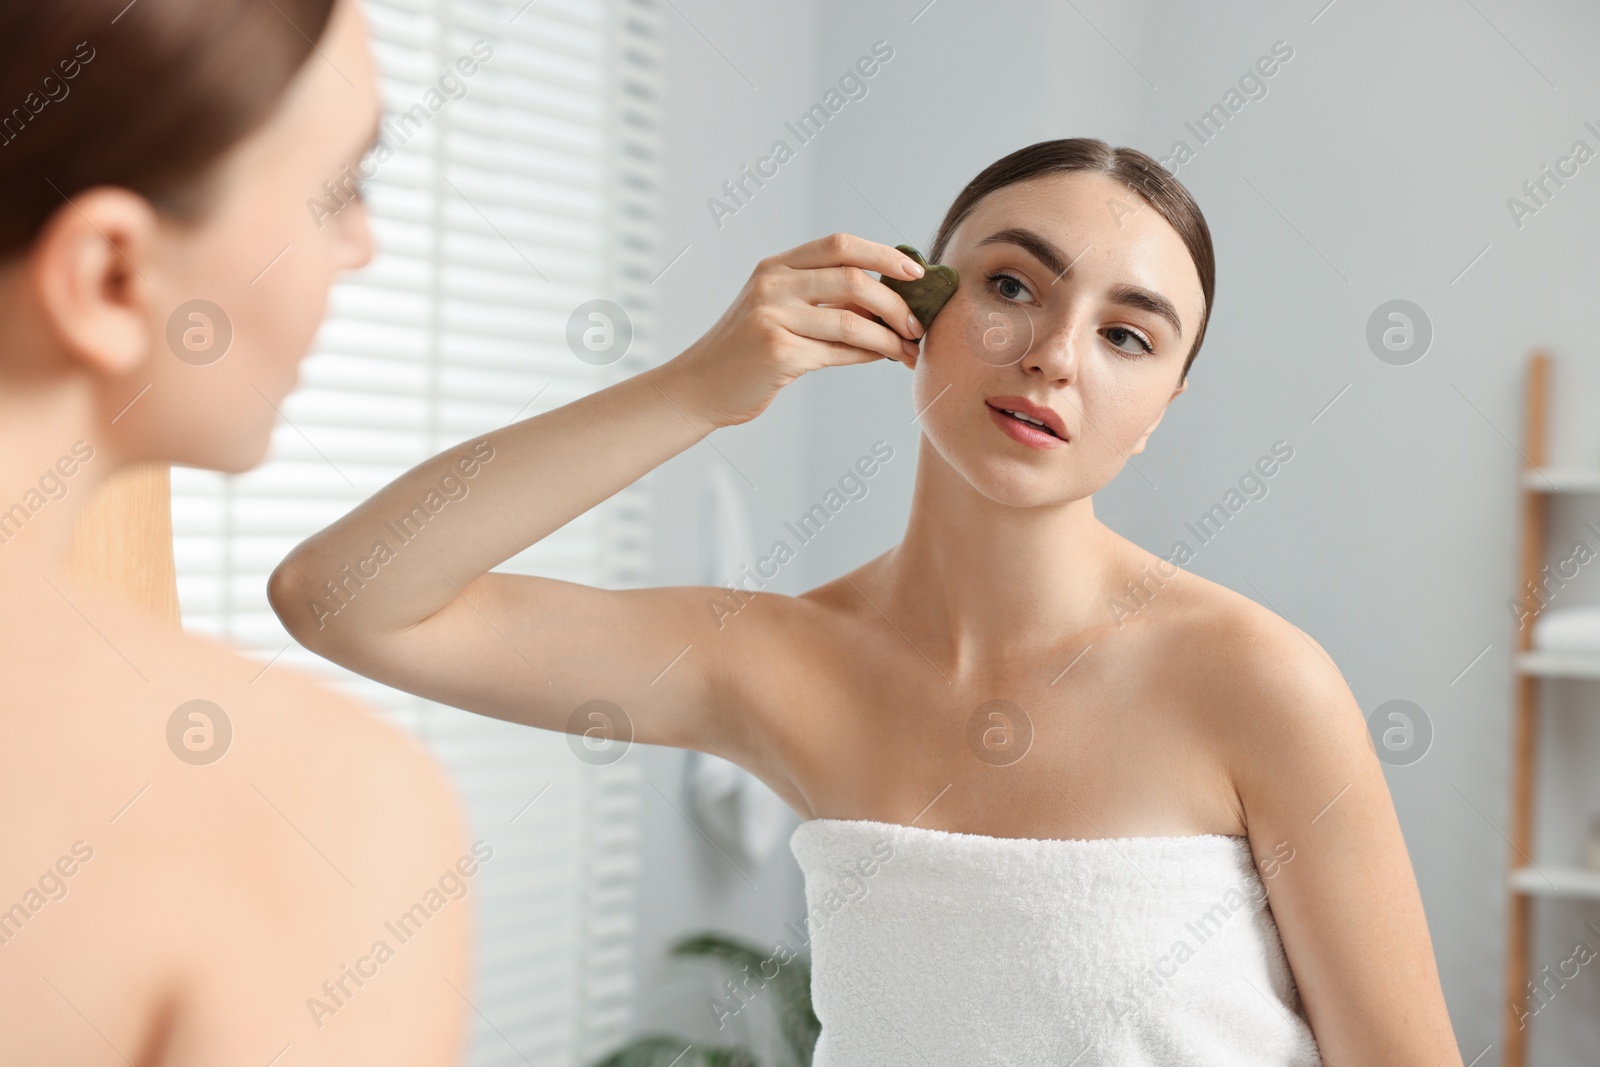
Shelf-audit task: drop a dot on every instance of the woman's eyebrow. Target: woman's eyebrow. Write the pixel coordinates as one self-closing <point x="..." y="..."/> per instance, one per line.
<point x="1135" y="297"/>
<point x="1056" y="263"/>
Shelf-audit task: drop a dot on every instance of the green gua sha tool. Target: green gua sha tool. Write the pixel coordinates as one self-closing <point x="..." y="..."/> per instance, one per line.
<point x="927" y="294"/>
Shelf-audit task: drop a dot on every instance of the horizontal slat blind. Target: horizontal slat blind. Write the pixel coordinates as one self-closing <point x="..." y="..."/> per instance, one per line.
<point x="513" y="204"/>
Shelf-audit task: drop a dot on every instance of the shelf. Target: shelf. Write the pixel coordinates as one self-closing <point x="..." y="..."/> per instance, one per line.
<point x="1551" y="881"/>
<point x="1558" y="664"/>
<point x="1561" y="479"/>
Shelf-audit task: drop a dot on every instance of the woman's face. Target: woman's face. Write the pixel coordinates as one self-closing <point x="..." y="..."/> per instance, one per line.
<point x="262" y="261"/>
<point x="1064" y="281"/>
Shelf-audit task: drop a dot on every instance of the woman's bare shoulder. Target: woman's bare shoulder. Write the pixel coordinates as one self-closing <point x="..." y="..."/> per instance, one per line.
<point x="1269" y="704"/>
<point x="1262" y="684"/>
<point x="1254" y="646"/>
<point x="782" y="623"/>
<point x="112" y="711"/>
<point x="193" y="806"/>
<point x="77" y="651"/>
<point x="1210" y="627"/>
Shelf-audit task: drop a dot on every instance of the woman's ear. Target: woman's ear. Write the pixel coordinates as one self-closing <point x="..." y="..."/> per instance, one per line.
<point x="89" y="269"/>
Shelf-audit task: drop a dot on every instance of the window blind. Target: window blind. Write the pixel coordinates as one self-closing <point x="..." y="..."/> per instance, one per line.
<point x="500" y="211"/>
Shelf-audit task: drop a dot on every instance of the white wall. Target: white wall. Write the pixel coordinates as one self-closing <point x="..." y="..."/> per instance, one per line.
<point x="1376" y="167"/>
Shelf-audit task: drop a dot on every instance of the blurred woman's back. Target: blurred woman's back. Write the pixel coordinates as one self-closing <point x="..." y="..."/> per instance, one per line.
<point x="206" y="861"/>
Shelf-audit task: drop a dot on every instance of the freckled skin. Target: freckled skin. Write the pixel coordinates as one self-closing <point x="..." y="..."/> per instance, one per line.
<point x="1114" y="402"/>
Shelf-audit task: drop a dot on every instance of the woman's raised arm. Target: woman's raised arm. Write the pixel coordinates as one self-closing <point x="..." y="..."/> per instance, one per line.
<point x="402" y="592"/>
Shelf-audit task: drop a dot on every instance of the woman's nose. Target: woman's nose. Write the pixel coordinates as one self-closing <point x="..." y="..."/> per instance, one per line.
<point x="1055" y="351"/>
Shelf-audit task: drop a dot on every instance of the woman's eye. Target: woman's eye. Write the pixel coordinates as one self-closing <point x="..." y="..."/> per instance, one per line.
<point x="1008" y="287"/>
<point x="1116" y="333"/>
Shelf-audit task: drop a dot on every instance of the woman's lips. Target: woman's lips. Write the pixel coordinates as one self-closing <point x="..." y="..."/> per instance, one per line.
<point x="1025" y="432"/>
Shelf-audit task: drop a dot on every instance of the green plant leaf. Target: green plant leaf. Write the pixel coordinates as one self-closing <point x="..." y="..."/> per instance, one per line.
<point x="790" y="987"/>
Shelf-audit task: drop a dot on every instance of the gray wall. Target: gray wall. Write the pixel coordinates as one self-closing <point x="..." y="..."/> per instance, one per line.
<point x="1377" y="166"/>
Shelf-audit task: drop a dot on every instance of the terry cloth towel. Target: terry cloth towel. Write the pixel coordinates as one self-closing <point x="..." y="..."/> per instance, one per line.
<point x="932" y="947"/>
<point x="1568" y="630"/>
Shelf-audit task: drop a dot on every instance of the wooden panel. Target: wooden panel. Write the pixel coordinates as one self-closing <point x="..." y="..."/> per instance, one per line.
<point x="1525" y="717"/>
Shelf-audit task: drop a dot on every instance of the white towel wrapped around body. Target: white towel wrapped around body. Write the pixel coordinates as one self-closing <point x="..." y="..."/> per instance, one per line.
<point x="930" y="947"/>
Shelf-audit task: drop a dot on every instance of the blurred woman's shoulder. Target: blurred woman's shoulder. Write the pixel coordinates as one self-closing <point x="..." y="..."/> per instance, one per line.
<point x="178" y="812"/>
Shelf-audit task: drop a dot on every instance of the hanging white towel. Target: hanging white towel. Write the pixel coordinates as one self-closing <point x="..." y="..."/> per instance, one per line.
<point x="737" y="810"/>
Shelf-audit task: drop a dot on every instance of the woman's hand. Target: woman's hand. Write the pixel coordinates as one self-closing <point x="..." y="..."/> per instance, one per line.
<point x="806" y="308"/>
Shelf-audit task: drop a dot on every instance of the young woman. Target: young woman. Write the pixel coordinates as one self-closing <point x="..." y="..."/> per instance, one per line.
<point x="1096" y="892"/>
<point x="187" y="884"/>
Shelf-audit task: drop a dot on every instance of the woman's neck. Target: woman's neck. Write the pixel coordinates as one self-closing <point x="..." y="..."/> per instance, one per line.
<point x="51" y="462"/>
<point x="986" y="581"/>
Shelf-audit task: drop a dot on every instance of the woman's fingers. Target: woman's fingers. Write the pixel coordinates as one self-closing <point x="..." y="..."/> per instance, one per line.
<point x="821" y="291"/>
<point x="852" y="285"/>
<point x="909" y="350"/>
<point x="848" y="327"/>
<point x="848" y="250"/>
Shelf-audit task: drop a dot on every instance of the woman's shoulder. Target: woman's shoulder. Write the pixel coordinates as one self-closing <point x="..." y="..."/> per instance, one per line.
<point x="104" y="696"/>
<point x="202" y="807"/>
<point x="1254" y="645"/>
<point x="1206" y="622"/>
<point x="1262" y="685"/>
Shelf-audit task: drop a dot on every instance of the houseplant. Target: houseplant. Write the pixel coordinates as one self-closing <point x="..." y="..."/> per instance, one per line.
<point x="785" y="1000"/>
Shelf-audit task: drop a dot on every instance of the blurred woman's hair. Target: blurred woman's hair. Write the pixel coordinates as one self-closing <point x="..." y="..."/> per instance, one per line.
<point x="1141" y="174"/>
<point x="145" y="95"/>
